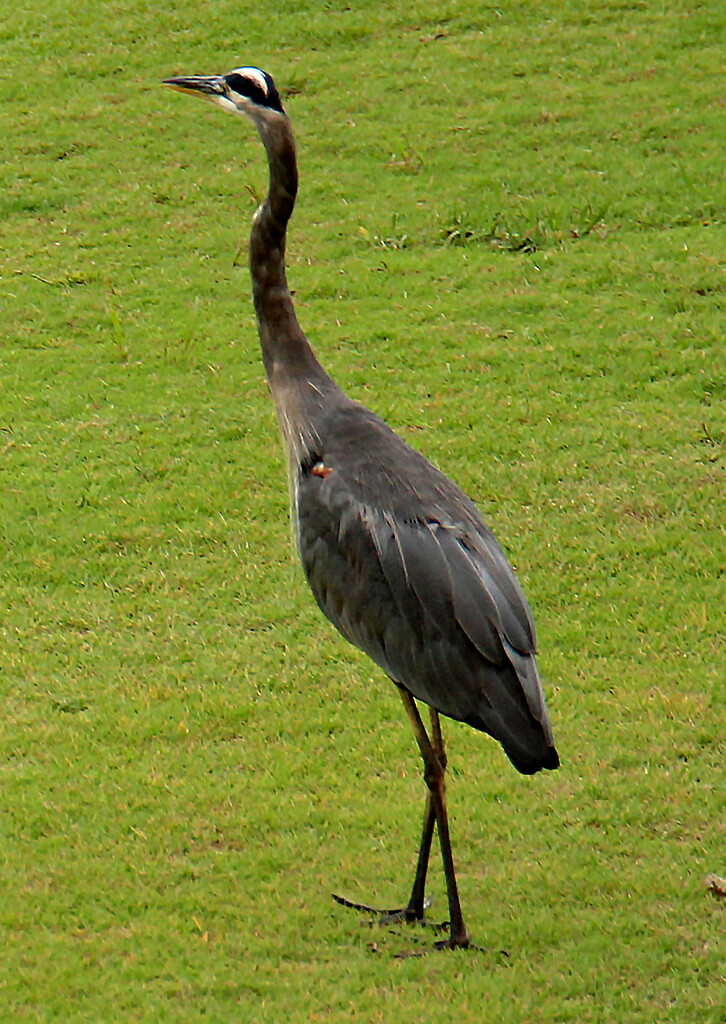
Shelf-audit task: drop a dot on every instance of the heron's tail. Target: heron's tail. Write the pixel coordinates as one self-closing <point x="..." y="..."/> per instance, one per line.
<point x="529" y="765"/>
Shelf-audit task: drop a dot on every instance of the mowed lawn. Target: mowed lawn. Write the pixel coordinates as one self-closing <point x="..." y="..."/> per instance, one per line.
<point x="510" y="242"/>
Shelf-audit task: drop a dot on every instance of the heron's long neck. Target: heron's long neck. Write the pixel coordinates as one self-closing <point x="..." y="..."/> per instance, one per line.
<point x="297" y="380"/>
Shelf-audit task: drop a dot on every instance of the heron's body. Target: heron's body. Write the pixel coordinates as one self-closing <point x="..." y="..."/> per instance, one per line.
<point x="400" y="561"/>
<point x="396" y="554"/>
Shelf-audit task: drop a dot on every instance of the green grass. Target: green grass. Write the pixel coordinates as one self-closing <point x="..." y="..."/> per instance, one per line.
<point x="510" y="243"/>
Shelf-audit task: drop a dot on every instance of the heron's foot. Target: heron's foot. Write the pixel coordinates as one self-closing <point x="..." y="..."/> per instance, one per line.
<point x="455" y="942"/>
<point x="408" y="914"/>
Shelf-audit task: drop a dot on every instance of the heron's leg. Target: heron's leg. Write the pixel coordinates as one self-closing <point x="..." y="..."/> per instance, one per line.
<point x="416" y="906"/>
<point x="434" y="776"/>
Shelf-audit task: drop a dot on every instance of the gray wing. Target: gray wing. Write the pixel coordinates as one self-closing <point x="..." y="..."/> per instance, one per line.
<point x="400" y="561"/>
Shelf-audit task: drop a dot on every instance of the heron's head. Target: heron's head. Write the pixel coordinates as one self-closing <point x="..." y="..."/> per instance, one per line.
<point x="246" y="91"/>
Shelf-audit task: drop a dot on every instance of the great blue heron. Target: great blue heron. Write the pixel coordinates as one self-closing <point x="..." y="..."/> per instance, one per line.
<point x="396" y="555"/>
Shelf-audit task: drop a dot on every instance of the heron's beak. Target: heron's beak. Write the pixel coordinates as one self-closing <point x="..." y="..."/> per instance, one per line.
<point x="209" y="87"/>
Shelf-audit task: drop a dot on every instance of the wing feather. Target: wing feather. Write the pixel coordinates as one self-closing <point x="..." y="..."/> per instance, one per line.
<point x="427" y="571"/>
<point x="526" y="668"/>
<point x="475" y="605"/>
<point x="386" y="537"/>
<point x="512" y="615"/>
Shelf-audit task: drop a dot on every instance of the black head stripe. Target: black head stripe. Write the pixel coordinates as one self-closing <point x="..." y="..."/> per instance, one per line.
<point x="251" y="88"/>
<point x="273" y="96"/>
